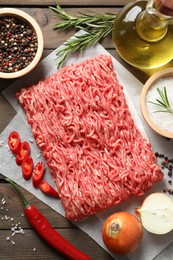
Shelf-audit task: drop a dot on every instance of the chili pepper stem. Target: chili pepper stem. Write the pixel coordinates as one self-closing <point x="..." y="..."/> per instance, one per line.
<point x="25" y="203"/>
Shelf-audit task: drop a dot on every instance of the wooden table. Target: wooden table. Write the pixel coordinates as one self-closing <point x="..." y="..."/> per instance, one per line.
<point x="30" y="246"/>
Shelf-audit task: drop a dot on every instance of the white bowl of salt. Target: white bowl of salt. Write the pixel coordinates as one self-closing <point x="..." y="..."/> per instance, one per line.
<point x="157" y="102"/>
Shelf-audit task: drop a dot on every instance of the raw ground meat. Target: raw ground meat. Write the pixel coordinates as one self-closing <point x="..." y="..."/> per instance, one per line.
<point x="82" y="124"/>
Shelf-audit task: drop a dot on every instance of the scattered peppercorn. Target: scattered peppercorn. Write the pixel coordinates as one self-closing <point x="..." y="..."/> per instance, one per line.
<point x="170" y="173"/>
<point x="18" y="44"/>
<point x="167" y="164"/>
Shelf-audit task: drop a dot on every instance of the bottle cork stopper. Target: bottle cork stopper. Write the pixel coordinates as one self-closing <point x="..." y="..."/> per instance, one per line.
<point x="165" y="7"/>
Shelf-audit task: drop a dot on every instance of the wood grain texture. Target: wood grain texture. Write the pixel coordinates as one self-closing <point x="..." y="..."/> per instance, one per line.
<point x="25" y="244"/>
<point x="65" y="2"/>
<point x="46" y="19"/>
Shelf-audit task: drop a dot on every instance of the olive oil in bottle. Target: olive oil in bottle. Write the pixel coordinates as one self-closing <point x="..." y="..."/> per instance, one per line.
<point x="143" y="36"/>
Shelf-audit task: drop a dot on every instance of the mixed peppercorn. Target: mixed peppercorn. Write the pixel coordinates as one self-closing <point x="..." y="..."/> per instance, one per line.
<point x="18" y="44"/>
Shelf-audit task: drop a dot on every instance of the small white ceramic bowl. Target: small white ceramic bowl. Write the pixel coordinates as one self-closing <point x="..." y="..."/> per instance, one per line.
<point x="164" y="75"/>
<point x="20" y="15"/>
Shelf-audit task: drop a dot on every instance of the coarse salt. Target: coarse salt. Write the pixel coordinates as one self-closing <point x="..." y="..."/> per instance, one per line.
<point x="38" y="155"/>
<point x="163" y="120"/>
<point x="3" y="201"/>
<point x="15" y="227"/>
<point x="13" y="243"/>
<point x="31" y="140"/>
<point x="7" y="217"/>
<point x="1" y="143"/>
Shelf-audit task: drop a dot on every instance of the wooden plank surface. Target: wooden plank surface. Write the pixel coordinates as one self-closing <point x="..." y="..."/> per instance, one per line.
<point x="75" y="3"/>
<point x="46" y="19"/>
<point x="30" y="246"/>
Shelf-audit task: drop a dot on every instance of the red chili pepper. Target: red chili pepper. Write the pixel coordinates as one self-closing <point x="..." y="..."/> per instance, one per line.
<point x="14" y="142"/>
<point x="49" y="190"/>
<point x="27" y="167"/>
<point x="24" y="151"/>
<point x="47" y="232"/>
<point x="38" y="173"/>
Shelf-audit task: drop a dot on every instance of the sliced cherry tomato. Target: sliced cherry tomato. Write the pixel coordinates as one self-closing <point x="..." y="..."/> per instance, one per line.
<point x="48" y="189"/>
<point x="38" y="173"/>
<point x="24" y="152"/>
<point x="27" y="167"/>
<point x="14" y="142"/>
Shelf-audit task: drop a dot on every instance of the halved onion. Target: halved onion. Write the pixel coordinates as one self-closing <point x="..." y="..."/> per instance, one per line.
<point x="156" y="213"/>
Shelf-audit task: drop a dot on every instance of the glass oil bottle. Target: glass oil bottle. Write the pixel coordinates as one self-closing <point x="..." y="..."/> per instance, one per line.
<point x="143" y="36"/>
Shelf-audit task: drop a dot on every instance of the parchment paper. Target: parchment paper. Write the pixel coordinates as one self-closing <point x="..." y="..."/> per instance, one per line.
<point x="151" y="245"/>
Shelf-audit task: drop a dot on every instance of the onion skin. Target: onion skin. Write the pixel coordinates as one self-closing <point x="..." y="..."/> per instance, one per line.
<point x="122" y="233"/>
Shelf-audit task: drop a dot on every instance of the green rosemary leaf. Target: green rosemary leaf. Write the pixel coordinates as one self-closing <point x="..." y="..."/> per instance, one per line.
<point x="161" y="93"/>
<point x="166" y="97"/>
<point x="164" y="102"/>
<point x="84" y="20"/>
<point x="159" y="111"/>
<point x="61" y="13"/>
<point x="157" y="104"/>
<point x="161" y="103"/>
<point x="80" y="42"/>
<point x="96" y="26"/>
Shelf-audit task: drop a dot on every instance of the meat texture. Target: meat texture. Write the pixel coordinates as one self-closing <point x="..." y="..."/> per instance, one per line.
<point x="82" y="124"/>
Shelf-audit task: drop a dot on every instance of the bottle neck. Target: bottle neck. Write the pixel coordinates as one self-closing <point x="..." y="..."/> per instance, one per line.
<point x="151" y="25"/>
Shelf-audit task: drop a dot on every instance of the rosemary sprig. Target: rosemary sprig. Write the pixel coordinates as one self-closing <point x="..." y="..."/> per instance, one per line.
<point x="164" y="102"/>
<point x="80" y="42"/>
<point x="85" y="21"/>
<point x="96" y="27"/>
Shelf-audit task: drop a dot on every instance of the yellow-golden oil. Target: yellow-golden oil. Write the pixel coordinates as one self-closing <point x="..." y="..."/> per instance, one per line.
<point x="140" y="43"/>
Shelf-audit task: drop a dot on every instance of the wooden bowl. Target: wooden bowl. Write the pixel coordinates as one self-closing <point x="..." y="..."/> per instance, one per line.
<point x="155" y="79"/>
<point x="27" y="19"/>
